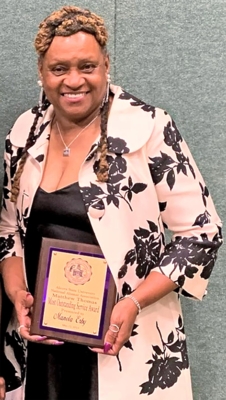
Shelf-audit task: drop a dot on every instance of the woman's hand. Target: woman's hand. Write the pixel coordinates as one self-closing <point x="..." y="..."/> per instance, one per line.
<point x="23" y="304"/>
<point x="2" y="388"/>
<point x="122" y="321"/>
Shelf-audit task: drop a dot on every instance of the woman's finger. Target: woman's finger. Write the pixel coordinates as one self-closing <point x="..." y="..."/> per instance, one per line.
<point x="111" y="336"/>
<point x="2" y="388"/>
<point x="24" y="332"/>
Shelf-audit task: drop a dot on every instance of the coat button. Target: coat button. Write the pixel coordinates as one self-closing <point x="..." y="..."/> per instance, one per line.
<point x="95" y="213"/>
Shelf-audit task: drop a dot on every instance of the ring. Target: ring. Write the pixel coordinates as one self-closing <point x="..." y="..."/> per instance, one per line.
<point x="116" y="330"/>
<point x="19" y="328"/>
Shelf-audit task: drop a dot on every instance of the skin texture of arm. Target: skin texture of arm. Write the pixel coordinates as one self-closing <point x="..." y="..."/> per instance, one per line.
<point x="13" y="277"/>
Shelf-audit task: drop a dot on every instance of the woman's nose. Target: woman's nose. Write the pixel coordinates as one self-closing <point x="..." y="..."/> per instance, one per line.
<point x="74" y="78"/>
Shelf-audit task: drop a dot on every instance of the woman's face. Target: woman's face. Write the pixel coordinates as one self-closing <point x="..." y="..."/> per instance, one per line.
<point x="74" y="75"/>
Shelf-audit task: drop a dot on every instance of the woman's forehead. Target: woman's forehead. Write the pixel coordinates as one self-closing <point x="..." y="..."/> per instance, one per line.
<point x="80" y="42"/>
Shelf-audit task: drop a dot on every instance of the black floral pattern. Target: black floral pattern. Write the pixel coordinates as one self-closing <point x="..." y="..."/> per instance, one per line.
<point x="168" y="361"/>
<point x="6" y="244"/>
<point x="14" y="378"/>
<point x="128" y="344"/>
<point x="96" y="197"/>
<point x="203" y="218"/>
<point x="144" y="255"/>
<point x="165" y="165"/>
<point x="40" y="158"/>
<point x="131" y="188"/>
<point x="117" y="145"/>
<point x="189" y="254"/>
<point x="136" y="103"/>
<point x="22" y="221"/>
<point x="6" y="191"/>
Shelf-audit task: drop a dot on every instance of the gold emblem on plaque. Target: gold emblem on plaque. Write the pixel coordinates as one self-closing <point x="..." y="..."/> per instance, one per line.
<point x="78" y="271"/>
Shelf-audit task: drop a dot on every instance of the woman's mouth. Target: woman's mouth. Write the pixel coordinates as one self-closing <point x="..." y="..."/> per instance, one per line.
<point x="74" y="96"/>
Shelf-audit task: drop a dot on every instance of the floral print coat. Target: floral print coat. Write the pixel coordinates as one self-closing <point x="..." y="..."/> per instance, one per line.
<point x="153" y="184"/>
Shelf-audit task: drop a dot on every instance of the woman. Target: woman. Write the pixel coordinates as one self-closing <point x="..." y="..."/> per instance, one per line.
<point x="93" y="164"/>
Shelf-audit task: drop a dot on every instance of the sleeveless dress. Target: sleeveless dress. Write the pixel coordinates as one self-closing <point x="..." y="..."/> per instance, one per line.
<point x="68" y="371"/>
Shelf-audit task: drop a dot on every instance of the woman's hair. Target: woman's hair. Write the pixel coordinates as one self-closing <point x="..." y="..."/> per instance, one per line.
<point x="65" y="22"/>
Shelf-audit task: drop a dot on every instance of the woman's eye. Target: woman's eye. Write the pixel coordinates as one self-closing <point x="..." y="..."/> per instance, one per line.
<point x="58" y="70"/>
<point x="88" y="67"/>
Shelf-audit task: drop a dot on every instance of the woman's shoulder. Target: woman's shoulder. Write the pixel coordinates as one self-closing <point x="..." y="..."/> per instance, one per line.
<point x="134" y="119"/>
<point x="21" y="127"/>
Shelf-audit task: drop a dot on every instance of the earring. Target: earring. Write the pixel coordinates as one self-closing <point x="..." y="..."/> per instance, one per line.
<point x="41" y="95"/>
<point x="108" y="87"/>
<point x="106" y="97"/>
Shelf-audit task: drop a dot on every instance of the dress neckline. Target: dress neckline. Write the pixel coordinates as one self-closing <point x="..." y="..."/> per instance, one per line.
<point x="58" y="190"/>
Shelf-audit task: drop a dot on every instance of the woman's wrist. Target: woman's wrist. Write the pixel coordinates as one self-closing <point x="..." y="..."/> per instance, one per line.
<point x="14" y="295"/>
<point x="134" y="300"/>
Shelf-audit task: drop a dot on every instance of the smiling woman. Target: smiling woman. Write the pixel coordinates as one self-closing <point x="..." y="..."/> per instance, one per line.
<point x="73" y="73"/>
<point x="93" y="164"/>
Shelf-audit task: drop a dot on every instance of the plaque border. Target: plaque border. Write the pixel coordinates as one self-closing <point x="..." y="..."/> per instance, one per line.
<point x="109" y="293"/>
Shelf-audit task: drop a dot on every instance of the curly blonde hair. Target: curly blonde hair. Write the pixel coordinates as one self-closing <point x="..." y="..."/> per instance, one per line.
<point x="67" y="21"/>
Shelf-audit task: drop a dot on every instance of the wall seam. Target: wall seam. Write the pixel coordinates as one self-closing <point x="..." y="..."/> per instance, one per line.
<point x="115" y="24"/>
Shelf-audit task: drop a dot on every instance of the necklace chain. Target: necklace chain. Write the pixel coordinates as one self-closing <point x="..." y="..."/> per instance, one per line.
<point x="67" y="150"/>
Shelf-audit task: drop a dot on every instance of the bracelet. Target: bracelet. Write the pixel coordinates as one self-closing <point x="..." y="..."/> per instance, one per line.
<point x="136" y="302"/>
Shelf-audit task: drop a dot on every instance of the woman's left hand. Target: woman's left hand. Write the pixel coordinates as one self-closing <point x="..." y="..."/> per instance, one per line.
<point x="121" y="324"/>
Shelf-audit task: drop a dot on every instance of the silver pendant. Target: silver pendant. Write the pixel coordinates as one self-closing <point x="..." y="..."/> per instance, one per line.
<point x="66" y="152"/>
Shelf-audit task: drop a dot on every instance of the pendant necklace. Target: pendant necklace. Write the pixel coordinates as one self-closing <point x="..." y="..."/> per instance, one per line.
<point x="67" y="150"/>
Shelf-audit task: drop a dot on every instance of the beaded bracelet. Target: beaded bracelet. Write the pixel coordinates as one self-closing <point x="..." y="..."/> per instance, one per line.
<point x="136" y="302"/>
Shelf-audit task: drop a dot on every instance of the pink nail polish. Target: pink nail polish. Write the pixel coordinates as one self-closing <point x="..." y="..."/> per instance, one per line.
<point x="107" y="347"/>
<point x="41" y="338"/>
<point x="58" y="344"/>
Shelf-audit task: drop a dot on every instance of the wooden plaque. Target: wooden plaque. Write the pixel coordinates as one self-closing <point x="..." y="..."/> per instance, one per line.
<point x="74" y="294"/>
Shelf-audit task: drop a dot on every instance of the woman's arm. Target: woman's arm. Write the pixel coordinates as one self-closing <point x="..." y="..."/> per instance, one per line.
<point x="187" y="210"/>
<point x="13" y="276"/>
<point x="11" y="250"/>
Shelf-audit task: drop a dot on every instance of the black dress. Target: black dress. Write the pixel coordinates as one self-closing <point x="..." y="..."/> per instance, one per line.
<point x="68" y="371"/>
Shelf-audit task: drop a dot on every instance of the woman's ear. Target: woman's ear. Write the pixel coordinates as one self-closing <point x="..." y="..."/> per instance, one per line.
<point x="107" y="64"/>
<point x="40" y="70"/>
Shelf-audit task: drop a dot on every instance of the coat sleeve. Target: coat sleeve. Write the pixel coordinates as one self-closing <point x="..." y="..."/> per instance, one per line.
<point x="187" y="210"/>
<point x="10" y="240"/>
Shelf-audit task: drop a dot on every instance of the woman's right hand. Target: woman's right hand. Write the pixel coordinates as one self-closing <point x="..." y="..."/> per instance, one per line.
<point x="23" y="304"/>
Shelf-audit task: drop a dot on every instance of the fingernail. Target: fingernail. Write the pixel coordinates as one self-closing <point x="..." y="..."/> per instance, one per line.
<point x="28" y="294"/>
<point x="107" y="347"/>
<point x="56" y="343"/>
<point x="41" y="338"/>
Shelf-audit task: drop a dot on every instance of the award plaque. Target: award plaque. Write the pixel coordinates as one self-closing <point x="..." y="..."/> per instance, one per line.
<point x="74" y="294"/>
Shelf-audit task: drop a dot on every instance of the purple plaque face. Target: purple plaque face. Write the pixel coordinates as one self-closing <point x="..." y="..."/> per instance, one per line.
<point x="75" y="293"/>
